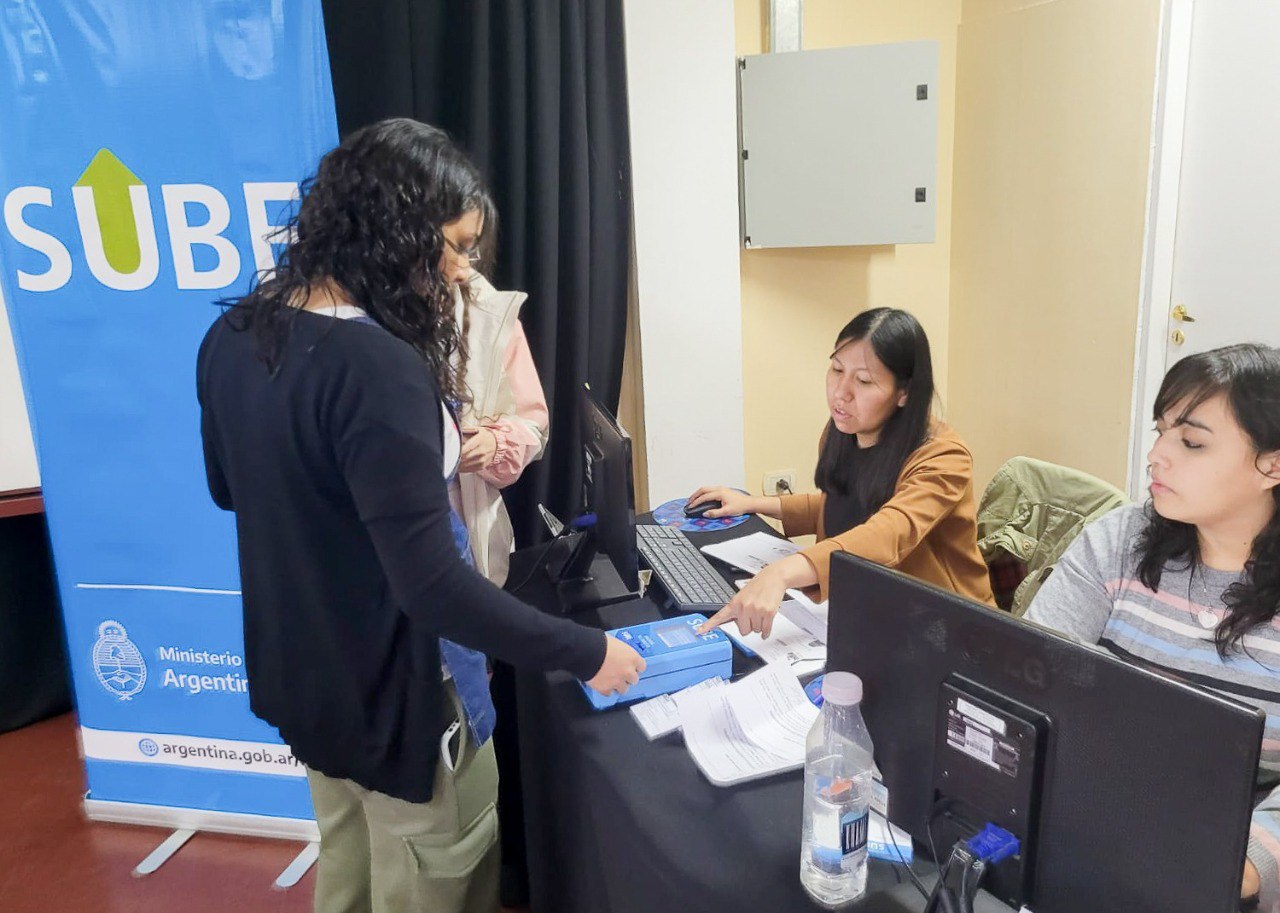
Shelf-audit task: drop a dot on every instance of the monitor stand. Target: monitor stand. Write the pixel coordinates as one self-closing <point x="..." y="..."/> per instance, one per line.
<point x="584" y="578"/>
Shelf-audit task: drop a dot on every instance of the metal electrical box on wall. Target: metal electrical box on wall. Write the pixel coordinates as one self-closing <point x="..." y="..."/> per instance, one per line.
<point x="839" y="147"/>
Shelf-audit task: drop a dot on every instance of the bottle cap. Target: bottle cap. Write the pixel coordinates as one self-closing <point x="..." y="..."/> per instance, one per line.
<point x="843" y="688"/>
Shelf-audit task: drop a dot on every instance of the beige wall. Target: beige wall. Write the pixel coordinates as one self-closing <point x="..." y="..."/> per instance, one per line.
<point x="1030" y="292"/>
<point x="1052" y="137"/>
<point x="795" y="301"/>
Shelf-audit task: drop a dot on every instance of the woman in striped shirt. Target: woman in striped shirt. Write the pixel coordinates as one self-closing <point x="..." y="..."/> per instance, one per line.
<point x="1190" y="582"/>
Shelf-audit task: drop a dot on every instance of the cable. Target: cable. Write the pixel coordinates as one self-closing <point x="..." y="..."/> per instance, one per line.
<point x="928" y="829"/>
<point x="941" y="896"/>
<point x="915" y="879"/>
<point x="952" y="898"/>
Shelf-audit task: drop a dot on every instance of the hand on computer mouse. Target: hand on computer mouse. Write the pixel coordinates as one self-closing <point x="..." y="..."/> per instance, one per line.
<point x="716" y="501"/>
<point x="695" y="511"/>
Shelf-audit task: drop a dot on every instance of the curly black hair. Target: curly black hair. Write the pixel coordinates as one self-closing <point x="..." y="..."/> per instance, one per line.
<point x="370" y="224"/>
<point x="1249" y="376"/>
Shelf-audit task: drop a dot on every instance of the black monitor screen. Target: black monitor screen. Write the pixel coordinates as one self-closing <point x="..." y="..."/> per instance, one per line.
<point x="607" y="487"/>
<point x="1147" y="784"/>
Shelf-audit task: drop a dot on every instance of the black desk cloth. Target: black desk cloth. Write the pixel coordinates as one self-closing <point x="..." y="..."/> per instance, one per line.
<point x="615" y="823"/>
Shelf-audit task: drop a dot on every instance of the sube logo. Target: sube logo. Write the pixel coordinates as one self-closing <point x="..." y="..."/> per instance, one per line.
<point x="118" y="233"/>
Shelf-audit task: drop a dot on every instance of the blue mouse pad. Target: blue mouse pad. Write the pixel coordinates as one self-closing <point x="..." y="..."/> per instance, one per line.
<point x="672" y="514"/>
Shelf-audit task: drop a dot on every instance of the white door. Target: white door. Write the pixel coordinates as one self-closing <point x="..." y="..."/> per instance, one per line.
<point x="1226" y="256"/>
<point x="1223" y="274"/>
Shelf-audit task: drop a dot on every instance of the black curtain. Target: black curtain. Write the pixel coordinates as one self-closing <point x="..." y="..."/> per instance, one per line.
<point x="535" y="90"/>
<point x="35" y="681"/>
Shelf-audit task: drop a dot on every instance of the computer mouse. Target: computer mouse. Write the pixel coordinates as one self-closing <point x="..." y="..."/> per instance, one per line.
<point x="699" y="510"/>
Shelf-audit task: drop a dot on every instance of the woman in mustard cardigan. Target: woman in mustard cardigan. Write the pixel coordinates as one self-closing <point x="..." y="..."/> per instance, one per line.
<point x="895" y="485"/>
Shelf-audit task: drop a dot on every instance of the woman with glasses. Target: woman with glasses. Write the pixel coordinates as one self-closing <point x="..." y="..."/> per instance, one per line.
<point x="895" y="484"/>
<point x="328" y="411"/>
<point x="504" y="420"/>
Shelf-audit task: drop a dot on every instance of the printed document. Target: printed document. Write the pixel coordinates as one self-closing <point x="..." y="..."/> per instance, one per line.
<point x="752" y="728"/>
<point x="659" y="716"/>
<point x="788" y="644"/>
<point x="751" y="553"/>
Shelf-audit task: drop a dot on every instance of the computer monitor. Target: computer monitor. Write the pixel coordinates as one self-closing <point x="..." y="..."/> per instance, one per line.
<point x="1130" y="791"/>
<point x="599" y="566"/>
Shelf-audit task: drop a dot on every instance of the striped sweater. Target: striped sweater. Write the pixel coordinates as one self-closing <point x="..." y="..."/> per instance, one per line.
<point x="1094" y="595"/>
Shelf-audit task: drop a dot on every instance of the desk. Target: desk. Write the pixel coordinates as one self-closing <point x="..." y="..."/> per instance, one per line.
<point x="617" y="824"/>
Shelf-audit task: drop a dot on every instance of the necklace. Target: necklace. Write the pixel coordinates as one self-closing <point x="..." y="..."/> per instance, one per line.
<point x="1206" y="616"/>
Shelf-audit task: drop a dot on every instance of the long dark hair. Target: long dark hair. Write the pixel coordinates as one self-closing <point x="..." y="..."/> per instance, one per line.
<point x="1249" y="376"/>
<point x="370" y="221"/>
<point x="899" y="342"/>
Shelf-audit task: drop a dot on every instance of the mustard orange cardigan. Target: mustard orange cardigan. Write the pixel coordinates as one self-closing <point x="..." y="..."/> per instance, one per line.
<point x="927" y="529"/>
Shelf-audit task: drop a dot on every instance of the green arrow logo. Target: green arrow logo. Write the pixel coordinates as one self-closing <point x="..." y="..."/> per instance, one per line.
<point x="110" y="180"/>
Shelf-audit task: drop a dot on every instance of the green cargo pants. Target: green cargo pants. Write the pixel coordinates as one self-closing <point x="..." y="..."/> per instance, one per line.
<point x="379" y="854"/>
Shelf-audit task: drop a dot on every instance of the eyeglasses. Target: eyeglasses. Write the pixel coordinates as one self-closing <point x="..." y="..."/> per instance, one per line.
<point x="471" y="254"/>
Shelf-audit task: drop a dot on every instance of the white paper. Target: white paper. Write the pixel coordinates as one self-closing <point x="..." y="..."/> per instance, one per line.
<point x="718" y="745"/>
<point x="752" y="728"/>
<point x="660" y="715"/>
<point x="800" y="609"/>
<point x="788" y="645"/>
<point x="751" y="553"/>
<point x="773" y="710"/>
<point x="809" y="615"/>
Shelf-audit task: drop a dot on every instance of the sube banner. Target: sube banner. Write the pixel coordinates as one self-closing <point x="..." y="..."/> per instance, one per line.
<point x="148" y="152"/>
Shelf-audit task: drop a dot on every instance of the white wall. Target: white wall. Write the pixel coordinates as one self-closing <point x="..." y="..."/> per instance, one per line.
<point x="17" y="454"/>
<point x="682" y="90"/>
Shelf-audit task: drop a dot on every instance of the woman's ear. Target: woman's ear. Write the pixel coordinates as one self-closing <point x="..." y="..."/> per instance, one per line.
<point x="902" y="399"/>
<point x="1269" y="465"/>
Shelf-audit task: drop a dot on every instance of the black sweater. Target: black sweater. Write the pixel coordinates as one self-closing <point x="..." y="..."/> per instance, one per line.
<point x="348" y="567"/>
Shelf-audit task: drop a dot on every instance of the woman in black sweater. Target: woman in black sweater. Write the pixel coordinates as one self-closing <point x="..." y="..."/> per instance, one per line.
<point x="328" y="399"/>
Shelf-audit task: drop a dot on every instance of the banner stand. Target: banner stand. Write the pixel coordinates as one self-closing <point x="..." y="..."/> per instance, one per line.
<point x="188" y="821"/>
<point x="160" y="855"/>
<point x="296" y="869"/>
<point x="149" y="157"/>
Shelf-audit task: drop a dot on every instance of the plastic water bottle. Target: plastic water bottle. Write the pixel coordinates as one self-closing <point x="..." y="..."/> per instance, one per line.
<point x="837" y="796"/>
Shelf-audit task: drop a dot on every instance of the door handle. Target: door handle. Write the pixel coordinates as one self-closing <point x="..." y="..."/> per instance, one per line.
<point x="1180" y="313"/>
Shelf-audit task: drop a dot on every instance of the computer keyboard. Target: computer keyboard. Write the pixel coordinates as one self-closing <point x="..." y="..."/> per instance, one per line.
<point x="685" y="573"/>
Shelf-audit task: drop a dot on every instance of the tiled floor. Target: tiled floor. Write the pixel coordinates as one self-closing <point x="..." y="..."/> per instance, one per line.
<point x="52" y="859"/>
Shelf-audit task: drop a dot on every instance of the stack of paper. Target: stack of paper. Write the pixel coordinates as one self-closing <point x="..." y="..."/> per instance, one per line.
<point x="659" y="715"/>
<point x="753" y="728"/>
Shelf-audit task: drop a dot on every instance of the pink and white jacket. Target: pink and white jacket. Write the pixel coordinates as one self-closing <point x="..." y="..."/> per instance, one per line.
<point x="507" y="399"/>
